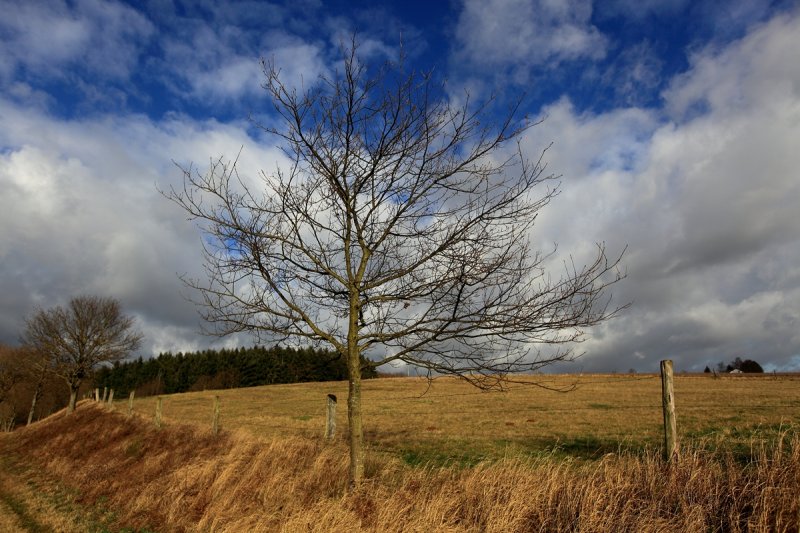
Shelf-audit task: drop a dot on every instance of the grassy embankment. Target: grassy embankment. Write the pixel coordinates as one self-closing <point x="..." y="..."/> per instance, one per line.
<point x="269" y="471"/>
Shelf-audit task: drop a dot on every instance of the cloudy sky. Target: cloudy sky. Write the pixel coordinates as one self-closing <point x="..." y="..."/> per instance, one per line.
<point x="675" y="126"/>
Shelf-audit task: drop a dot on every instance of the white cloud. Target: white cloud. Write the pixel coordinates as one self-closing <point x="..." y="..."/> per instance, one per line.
<point x="209" y="64"/>
<point x="522" y="34"/>
<point x="301" y="64"/>
<point x="50" y="38"/>
<point x="706" y="202"/>
<point x="635" y="74"/>
<point x="757" y="72"/>
<point x="638" y="9"/>
<point x="81" y="212"/>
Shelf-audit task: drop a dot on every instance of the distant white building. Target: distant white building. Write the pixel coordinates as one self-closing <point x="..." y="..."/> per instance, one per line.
<point x="735" y="371"/>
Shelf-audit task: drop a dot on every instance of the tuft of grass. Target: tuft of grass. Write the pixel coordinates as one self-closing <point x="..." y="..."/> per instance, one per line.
<point x="134" y="448"/>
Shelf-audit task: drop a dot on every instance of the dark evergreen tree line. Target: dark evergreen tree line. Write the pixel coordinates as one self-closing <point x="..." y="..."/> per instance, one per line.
<point x="224" y="369"/>
<point x="748" y="366"/>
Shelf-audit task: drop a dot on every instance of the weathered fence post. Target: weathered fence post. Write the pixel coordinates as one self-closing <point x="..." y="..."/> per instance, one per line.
<point x="159" y="404"/>
<point x="105" y="394"/>
<point x="215" y="421"/>
<point x="97" y="394"/>
<point x="111" y="399"/>
<point x="130" y="402"/>
<point x="330" y="426"/>
<point x="668" y="403"/>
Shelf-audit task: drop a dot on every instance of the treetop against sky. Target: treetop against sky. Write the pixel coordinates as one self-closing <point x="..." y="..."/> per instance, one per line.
<point x="674" y="126"/>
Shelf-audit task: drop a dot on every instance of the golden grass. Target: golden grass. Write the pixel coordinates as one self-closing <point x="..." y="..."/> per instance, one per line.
<point x="181" y="478"/>
<point x="450" y="419"/>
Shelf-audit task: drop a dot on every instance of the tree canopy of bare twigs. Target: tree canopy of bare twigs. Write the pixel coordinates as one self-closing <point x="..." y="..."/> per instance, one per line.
<point x="400" y="230"/>
<point x="73" y="340"/>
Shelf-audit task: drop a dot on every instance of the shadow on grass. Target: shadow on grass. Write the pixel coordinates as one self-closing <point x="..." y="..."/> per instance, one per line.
<point x="587" y="448"/>
<point x="423" y="457"/>
<point x="465" y="454"/>
<point x="741" y="445"/>
<point x="744" y="444"/>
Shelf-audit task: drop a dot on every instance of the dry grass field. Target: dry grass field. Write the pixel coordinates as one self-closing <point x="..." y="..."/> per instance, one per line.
<point x="587" y="461"/>
<point x="449" y="419"/>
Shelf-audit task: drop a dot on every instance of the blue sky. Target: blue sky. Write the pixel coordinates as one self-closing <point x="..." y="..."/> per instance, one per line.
<point x="675" y="126"/>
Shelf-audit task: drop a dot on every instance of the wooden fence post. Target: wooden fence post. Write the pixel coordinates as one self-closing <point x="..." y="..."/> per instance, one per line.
<point x="105" y="394"/>
<point x="130" y="402"/>
<point x="111" y="399"/>
<point x="215" y="421"/>
<point x="159" y="404"/>
<point x="668" y="403"/>
<point x="97" y="394"/>
<point x="330" y="426"/>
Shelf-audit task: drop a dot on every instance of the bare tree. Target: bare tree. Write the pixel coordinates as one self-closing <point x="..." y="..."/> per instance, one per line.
<point x="12" y="374"/>
<point x="90" y="331"/>
<point x="10" y="371"/>
<point x="400" y="231"/>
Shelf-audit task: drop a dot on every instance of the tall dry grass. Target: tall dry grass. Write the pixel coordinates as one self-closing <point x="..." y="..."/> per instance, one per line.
<point x="181" y="478"/>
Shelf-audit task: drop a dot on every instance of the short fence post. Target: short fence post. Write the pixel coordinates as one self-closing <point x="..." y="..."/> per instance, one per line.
<point x="159" y="404"/>
<point x="215" y="421"/>
<point x="111" y="399"/>
<point x="97" y="394"/>
<point x="105" y="394"/>
<point x="668" y="403"/>
<point x="130" y="402"/>
<point x="330" y="426"/>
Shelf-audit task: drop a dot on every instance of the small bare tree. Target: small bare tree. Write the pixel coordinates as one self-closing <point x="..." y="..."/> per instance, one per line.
<point x="90" y="331"/>
<point x="401" y="231"/>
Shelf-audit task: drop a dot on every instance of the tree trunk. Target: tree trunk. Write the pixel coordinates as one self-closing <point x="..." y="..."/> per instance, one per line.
<point x="73" y="396"/>
<point x="356" y="473"/>
<point x="36" y="392"/>
<point x="354" y="420"/>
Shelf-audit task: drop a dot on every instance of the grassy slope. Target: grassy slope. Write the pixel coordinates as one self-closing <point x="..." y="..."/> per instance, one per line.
<point x="450" y="420"/>
<point x="98" y="469"/>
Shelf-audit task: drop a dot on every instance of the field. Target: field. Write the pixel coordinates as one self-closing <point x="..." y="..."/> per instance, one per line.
<point x="442" y="457"/>
<point x="448" y="419"/>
